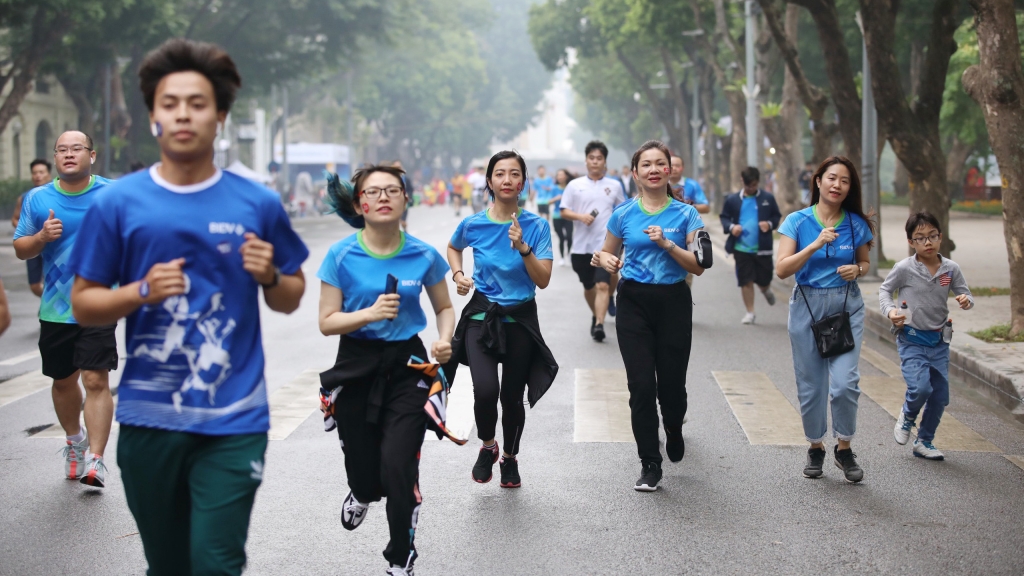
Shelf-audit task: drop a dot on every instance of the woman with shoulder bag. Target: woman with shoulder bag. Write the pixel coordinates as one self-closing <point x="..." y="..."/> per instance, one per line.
<point x="826" y="245"/>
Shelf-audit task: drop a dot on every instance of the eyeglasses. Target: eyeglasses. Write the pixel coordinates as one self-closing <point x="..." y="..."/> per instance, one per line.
<point x="391" y="191"/>
<point x="921" y="240"/>
<point x="63" y="150"/>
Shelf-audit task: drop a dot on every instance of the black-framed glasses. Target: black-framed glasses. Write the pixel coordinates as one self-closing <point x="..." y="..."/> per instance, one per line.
<point x="922" y="240"/>
<point x="830" y="250"/>
<point x="391" y="191"/>
<point x="77" y="149"/>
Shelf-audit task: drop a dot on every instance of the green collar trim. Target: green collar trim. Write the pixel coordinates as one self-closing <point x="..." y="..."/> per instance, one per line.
<point x="92" y="182"/>
<point x="842" y="216"/>
<point x="659" y="211"/>
<point x="359" y="238"/>
<point x="509" y="221"/>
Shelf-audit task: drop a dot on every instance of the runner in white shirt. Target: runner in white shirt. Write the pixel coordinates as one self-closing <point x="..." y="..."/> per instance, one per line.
<point x="478" y="181"/>
<point x="589" y="201"/>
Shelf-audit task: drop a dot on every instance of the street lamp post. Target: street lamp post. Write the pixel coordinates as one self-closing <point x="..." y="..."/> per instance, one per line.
<point x="869" y="148"/>
<point x="751" y="90"/>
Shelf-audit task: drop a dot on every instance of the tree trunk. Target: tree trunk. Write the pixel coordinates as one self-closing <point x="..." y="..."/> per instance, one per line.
<point x="45" y="32"/>
<point x="913" y="130"/>
<point x="901" y="180"/>
<point x="792" y="121"/>
<point x="787" y="170"/>
<point x="997" y="84"/>
<point x="738" y="156"/>
<point x="839" y="71"/>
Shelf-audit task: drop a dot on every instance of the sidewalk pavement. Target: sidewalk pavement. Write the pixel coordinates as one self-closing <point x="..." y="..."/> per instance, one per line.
<point x="994" y="369"/>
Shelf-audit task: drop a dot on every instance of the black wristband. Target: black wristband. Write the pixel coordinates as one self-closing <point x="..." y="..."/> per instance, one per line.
<point x="527" y="253"/>
<point x="276" y="280"/>
<point x="457" y="272"/>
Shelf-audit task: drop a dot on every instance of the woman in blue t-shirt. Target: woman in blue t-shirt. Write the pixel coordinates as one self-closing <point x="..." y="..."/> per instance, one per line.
<point x="377" y="399"/>
<point x="655" y="317"/>
<point x="511" y="259"/>
<point x="826" y="245"/>
<point x="563" y="227"/>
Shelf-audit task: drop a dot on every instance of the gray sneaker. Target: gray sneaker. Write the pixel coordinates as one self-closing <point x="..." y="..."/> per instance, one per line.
<point x="769" y="296"/>
<point x="846" y="461"/>
<point x="95" y="472"/>
<point x="74" y="457"/>
<point x="815" y="459"/>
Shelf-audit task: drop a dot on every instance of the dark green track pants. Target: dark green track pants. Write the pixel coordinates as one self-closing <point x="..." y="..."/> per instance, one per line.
<point x="191" y="496"/>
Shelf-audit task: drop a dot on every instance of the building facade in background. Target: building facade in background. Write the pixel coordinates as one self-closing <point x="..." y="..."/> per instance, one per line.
<point x="46" y="112"/>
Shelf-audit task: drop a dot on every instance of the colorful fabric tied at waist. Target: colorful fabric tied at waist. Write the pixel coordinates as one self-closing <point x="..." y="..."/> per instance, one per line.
<point x="436" y="406"/>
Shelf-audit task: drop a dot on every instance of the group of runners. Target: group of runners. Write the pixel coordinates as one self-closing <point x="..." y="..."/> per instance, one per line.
<point x="183" y="251"/>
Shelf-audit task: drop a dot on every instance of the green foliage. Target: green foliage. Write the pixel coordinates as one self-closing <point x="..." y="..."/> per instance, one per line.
<point x="10" y="189"/>
<point x="997" y="333"/>
<point x="771" y="110"/>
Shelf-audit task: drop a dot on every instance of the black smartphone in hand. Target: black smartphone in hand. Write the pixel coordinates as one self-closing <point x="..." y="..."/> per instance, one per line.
<point x="594" y="212"/>
<point x="391" y="288"/>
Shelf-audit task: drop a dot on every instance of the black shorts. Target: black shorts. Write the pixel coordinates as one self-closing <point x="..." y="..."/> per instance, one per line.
<point x="66" y="348"/>
<point x="589" y="275"/>
<point x="35" y="269"/>
<point x="756" y="268"/>
<point x="542" y="209"/>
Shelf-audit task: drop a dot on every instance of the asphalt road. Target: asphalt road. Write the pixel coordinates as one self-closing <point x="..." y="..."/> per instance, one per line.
<point x="730" y="507"/>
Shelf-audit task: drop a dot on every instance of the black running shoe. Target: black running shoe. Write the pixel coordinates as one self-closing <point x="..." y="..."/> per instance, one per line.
<point x="675" y="447"/>
<point x="650" y="475"/>
<point x="598" y="332"/>
<point x="846" y="461"/>
<point x="484" y="462"/>
<point x="353" y="512"/>
<point x="612" y="309"/>
<point x="510" y="473"/>
<point x="815" y="458"/>
<point x="593" y="322"/>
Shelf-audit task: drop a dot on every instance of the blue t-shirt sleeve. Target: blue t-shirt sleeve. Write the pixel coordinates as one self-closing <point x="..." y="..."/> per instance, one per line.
<point x="438" y="269"/>
<point x="615" y="223"/>
<point x="329" y="268"/>
<point x="26" y="224"/>
<point x="695" y="223"/>
<point x="696" y="192"/>
<point x="542" y="244"/>
<point x="863" y="232"/>
<point x="789" y="226"/>
<point x="97" y="256"/>
<point x="458" y="240"/>
<point x="289" y="250"/>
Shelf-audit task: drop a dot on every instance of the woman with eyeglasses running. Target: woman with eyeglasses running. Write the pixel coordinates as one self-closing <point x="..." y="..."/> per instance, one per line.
<point x="370" y="295"/>
<point x="511" y="259"/>
<point x="655" y="320"/>
<point x="826" y="245"/>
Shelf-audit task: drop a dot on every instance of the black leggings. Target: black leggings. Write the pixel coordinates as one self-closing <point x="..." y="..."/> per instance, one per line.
<point x="563" y="228"/>
<point x="520" y="349"/>
<point x="654" y="328"/>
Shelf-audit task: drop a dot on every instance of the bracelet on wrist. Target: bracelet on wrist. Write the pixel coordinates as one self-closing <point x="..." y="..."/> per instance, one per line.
<point x="457" y="272"/>
<point x="670" y="246"/>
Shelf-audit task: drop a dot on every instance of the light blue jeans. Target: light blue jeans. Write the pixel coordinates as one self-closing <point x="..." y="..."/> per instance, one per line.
<point x="818" y="378"/>
<point x="926" y="371"/>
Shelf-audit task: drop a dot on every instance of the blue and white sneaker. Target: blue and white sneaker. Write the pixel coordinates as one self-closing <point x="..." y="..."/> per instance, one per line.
<point x="74" y="457"/>
<point x="927" y="450"/>
<point x="902" y="430"/>
<point x="352" y="512"/>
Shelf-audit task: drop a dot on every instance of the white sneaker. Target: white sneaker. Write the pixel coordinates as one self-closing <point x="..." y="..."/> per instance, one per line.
<point x="927" y="450"/>
<point x="352" y="512"/>
<point x="399" y="571"/>
<point x="74" y="457"/>
<point x="748" y="318"/>
<point x="561" y="262"/>
<point x="902" y="430"/>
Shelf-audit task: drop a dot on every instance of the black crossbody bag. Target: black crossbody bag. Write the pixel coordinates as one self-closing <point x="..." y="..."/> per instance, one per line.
<point x="833" y="335"/>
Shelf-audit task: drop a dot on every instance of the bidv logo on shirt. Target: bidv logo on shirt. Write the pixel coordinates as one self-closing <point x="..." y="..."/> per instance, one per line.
<point x="670" y="230"/>
<point x="405" y="283"/>
<point x="226" y="228"/>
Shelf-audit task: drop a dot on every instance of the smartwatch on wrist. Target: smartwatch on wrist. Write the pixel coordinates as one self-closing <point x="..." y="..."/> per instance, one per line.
<point x="144" y="289"/>
<point x="276" y="280"/>
<point x="529" y="250"/>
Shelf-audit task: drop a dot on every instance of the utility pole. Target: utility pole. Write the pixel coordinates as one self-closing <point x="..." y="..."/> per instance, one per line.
<point x="106" y="120"/>
<point x="695" y="124"/>
<point x="349" y="105"/>
<point x="284" y="139"/>
<point x="751" y="90"/>
<point x="869" y="149"/>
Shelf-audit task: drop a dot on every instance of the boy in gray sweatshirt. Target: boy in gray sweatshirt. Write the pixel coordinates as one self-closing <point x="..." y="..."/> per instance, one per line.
<point x="923" y="281"/>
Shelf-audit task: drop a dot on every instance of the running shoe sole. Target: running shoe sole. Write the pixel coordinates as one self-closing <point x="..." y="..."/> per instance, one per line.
<point x="510" y="485"/>
<point x="645" y="488"/>
<point x="90" y="479"/>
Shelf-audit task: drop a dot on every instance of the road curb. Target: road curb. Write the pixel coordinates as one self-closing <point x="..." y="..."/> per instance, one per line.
<point x="968" y="357"/>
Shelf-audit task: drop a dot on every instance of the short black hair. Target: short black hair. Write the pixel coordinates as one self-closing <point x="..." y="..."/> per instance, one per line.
<point x="596" y="145"/>
<point x="37" y="161"/>
<point x="918" y="219"/>
<point x="750" y="175"/>
<point x="182" y="55"/>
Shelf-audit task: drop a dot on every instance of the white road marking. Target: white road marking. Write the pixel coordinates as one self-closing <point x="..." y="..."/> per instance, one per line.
<point x="292" y="404"/>
<point x="19" y="359"/>
<point x="602" y="407"/>
<point x="764" y="414"/>
<point x="25" y="385"/>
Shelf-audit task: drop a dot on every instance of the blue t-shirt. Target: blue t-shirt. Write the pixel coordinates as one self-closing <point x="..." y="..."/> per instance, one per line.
<point x="499" y="272"/>
<point x="556" y="206"/>
<point x="195" y="361"/>
<point x="645" y="261"/>
<point x="749" y="239"/>
<point x="362" y="277"/>
<point x="693" y="192"/>
<point x="820" y="270"/>
<point x="545" y="188"/>
<point x="70" y="209"/>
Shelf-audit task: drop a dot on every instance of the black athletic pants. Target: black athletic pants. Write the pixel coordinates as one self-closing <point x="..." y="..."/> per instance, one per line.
<point x="654" y="328"/>
<point x="520" y="349"/>
<point x="383" y="459"/>
<point x="563" y="228"/>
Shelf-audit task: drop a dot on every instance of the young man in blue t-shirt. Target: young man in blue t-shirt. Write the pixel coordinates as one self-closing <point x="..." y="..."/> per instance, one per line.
<point x="41" y="176"/>
<point x="48" y="226"/>
<point x="749" y="217"/>
<point x="189" y="247"/>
